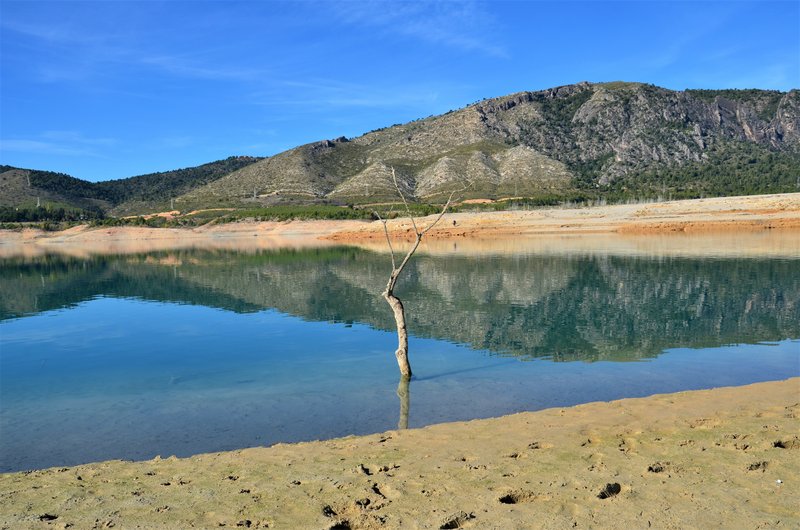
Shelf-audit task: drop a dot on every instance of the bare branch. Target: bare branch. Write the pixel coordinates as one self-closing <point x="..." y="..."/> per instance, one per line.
<point x="388" y="239"/>
<point x="396" y="272"/>
<point x="446" y="206"/>
<point x="441" y="214"/>
<point x="408" y="210"/>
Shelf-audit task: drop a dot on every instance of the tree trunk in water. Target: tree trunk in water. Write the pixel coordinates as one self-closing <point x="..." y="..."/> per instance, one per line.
<point x="403" y="394"/>
<point x="388" y="293"/>
<point x="402" y="333"/>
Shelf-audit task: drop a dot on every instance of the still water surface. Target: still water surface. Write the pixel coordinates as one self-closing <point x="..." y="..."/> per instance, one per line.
<point x="181" y="352"/>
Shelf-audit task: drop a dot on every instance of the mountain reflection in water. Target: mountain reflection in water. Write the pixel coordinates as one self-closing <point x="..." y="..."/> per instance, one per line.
<point x="585" y="307"/>
<point x="188" y="351"/>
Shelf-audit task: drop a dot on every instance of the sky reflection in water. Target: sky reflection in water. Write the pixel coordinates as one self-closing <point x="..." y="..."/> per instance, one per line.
<point x="196" y="351"/>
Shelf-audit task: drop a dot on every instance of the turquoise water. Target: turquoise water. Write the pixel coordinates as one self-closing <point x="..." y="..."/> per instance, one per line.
<point x="195" y="351"/>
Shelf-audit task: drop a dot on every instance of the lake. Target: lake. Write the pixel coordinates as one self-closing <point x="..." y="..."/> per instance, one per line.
<point x="187" y="351"/>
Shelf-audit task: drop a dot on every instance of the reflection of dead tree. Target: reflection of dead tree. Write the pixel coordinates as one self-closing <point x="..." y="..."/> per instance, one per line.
<point x="388" y="293"/>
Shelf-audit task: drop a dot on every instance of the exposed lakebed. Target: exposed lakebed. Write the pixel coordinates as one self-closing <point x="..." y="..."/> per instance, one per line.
<point x="181" y="352"/>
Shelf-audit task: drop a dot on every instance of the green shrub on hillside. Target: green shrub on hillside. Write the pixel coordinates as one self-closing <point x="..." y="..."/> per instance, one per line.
<point x="738" y="168"/>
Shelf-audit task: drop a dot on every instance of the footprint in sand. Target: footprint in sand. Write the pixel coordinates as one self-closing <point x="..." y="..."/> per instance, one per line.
<point x="456" y="520"/>
<point x="788" y="443"/>
<point x="659" y="467"/>
<point x="610" y="490"/>
<point x="521" y="496"/>
<point x="704" y="423"/>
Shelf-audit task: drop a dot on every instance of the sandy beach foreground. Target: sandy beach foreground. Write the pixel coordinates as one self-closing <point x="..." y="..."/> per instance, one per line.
<point x="722" y="458"/>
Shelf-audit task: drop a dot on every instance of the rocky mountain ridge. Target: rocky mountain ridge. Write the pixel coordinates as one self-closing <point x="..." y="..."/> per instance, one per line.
<point x="589" y="136"/>
<point x="596" y="139"/>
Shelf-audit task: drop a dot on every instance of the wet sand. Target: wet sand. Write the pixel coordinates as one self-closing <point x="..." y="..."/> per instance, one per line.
<point x="722" y="458"/>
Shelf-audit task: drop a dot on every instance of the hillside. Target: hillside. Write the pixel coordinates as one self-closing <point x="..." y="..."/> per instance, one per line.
<point x="24" y="188"/>
<point x="606" y="138"/>
<point x="603" y="140"/>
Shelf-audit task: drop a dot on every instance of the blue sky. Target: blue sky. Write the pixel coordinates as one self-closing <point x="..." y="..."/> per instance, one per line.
<point x="105" y="90"/>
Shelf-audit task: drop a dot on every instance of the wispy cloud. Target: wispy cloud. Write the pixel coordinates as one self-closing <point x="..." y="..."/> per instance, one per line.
<point x="39" y="147"/>
<point x="64" y="54"/>
<point x="678" y="48"/>
<point x="77" y="138"/>
<point x="326" y="93"/>
<point x="174" y="142"/>
<point x="181" y="66"/>
<point x="65" y="143"/>
<point x="770" y="75"/>
<point x="463" y="25"/>
<point x="68" y="53"/>
<point x="49" y="32"/>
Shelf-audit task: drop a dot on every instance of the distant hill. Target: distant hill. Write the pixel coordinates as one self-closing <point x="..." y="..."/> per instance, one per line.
<point x="600" y="138"/>
<point x="133" y="194"/>
<point x="25" y="187"/>
<point x="614" y="140"/>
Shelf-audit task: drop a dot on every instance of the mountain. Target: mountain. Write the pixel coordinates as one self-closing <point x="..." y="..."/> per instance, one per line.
<point x="27" y="187"/>
<point x="614" y="140"/>
<point x="595" y="137"/>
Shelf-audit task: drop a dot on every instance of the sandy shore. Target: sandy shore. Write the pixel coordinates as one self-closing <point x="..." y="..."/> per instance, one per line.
<point x="722" y="458"/>
<point x="82" y="241"/>
<point x="749" y="213"/>
<point x="715" y="219"/>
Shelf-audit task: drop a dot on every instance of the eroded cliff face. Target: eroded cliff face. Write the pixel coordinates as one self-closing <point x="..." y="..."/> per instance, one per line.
<point x="629" y="126"/>
<point x="564" y="138"/>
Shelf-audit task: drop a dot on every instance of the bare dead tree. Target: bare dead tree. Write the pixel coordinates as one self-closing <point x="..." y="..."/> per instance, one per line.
<point x="403" y="394"/>
<point x="388" y="293"/>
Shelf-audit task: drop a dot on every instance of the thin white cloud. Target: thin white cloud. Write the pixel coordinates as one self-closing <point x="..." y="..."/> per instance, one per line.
<point x="326" y="93"/>
<point x="49" y="32"/>
<point x="770" y="76"/>
<point x="38" y="147"/>
<point x="66" y="54"/>
<point x="63" y="143"/>
<point x="76" y="55"/>
<point x="462" y="25"/>
<point x="263" y="147"/>
<point x="174" y="142"/>
<point x="76" y="138"/>
<point x="182" y="67"/>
